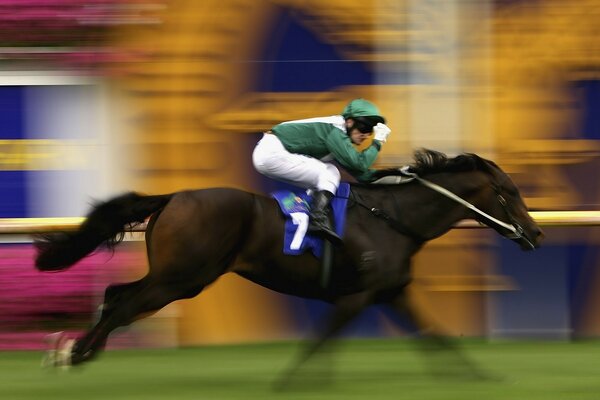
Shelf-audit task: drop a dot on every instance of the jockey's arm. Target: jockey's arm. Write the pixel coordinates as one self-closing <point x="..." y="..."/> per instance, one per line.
<point x="346" y="154"/>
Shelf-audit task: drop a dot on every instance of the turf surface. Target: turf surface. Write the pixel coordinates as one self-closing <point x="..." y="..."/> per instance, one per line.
<point x="362" y="369"/>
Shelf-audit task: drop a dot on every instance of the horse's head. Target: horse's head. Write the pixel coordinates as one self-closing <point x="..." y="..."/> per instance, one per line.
<point x="498" y="203"/>
<point x="487" y="194"/>
<point x="505" y="204"/>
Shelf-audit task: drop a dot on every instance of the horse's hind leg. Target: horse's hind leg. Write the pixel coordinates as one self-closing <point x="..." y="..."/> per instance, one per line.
<point x="61" y="346"/>
<point x="113" y="294"/>
<point x="142" y="297"/>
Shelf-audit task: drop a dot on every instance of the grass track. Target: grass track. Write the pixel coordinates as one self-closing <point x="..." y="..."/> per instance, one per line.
<point x="363" y="369"/>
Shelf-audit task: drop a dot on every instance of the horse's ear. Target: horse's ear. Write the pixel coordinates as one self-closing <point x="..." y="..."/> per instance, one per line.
<point x="485" y="164"/>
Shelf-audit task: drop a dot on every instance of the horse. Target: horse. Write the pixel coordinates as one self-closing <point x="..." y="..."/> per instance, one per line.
<point x="195" y="236"/>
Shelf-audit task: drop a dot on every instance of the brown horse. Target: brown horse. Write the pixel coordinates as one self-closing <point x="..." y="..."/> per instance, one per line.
<point x="194" y="237"/>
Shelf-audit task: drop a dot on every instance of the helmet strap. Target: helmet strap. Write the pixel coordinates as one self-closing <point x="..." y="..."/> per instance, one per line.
<point x="349" y="128"/>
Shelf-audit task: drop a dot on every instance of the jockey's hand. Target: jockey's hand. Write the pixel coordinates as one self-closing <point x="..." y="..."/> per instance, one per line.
<point x="381" y="132"/>
<point x="406" y="171"/>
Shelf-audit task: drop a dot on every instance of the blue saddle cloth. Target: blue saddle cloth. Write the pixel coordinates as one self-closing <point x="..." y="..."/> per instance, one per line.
<point x="295" y="205"/>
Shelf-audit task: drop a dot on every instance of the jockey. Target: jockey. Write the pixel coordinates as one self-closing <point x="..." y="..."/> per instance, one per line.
<point x="299" y="152"/>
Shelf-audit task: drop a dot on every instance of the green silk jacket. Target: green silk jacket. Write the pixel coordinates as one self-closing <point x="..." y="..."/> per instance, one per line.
<point x="326" y="139"/>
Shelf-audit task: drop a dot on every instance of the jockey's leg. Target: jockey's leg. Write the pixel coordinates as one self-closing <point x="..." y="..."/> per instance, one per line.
<point x="320" y="223"/>
<point x="271" y="159"/>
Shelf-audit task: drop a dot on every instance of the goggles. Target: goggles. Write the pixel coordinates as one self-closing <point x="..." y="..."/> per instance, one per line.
<point x="363" y="125"/>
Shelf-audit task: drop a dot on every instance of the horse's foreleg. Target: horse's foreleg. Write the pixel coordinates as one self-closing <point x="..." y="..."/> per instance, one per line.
<point x="343" y="312"/>
<point x="444" y="355"/>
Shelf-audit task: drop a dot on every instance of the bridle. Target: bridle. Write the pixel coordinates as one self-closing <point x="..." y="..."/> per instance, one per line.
<point x="515" y="229"/>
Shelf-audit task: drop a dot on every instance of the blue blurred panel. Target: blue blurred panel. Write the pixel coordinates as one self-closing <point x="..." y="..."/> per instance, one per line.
<point x="12" y="183"/>
<point x="582" y="274"/>
<point x="311" y="76"/>
<point x="539" y="308"/>
<point x="589" y="92"/>
<point x="296" y="60"/>
<point x="310" y="314"/>
<point x="13" y="194"/>
<point x="11" y="112"/>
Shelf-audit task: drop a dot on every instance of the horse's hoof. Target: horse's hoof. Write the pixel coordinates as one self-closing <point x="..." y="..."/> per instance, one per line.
<point x="59" y="351"/>
<point x="49" y="359"/>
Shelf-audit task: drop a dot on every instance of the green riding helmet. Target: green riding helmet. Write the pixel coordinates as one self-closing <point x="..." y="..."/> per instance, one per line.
<point x="363" y="110"/>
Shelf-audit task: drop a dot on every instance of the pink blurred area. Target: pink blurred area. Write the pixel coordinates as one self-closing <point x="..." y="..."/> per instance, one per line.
<point x="70" y="33"/>
<point x="61" y="17"/>
<point x="34" y="304"/>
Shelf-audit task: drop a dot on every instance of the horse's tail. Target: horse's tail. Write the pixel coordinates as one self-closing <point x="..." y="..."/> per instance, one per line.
<point x="106" y="223"/>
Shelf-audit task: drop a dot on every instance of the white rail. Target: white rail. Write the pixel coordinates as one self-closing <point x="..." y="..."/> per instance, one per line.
<point x="552" y="219"/>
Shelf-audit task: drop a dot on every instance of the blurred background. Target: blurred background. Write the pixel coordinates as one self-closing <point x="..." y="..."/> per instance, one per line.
<point x="98" y="97"/>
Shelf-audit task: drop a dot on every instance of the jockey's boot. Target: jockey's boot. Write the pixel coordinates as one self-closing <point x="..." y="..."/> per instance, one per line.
<point x="319" y="223"/>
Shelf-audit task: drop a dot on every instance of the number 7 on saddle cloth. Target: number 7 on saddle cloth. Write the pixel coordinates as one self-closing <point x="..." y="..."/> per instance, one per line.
<point x="295" y="205"/>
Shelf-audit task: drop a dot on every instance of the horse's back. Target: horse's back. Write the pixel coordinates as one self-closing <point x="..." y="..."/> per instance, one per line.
<point x="217" y="209"/>
<point x="204" y="225"/>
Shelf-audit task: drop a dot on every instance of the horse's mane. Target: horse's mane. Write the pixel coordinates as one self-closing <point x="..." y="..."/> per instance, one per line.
<point x="428" y="161"/>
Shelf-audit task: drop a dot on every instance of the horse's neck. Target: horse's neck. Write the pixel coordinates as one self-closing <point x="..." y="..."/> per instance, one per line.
<point x="466" y="185"/>
<point x="426" y="212"/>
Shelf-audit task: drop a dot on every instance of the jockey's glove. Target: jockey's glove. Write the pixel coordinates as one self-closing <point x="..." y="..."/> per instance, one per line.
<point x="381" y="132"/>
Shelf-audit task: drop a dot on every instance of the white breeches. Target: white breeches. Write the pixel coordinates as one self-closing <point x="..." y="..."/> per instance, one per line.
<point x="271" y="159"/>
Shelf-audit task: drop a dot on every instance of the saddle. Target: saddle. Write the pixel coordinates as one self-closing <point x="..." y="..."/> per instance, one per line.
<point x="295" y="206"/>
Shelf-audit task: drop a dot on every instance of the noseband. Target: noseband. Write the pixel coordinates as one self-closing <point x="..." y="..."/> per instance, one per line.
<point x="516" y="229"/>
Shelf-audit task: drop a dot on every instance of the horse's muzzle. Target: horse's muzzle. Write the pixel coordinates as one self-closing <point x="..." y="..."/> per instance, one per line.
<point x="530" y="239"/>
